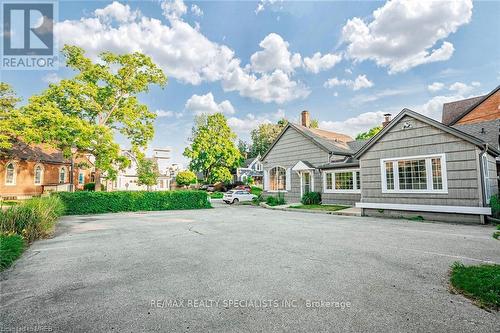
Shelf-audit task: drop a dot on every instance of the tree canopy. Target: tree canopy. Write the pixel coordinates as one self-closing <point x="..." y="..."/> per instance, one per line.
<point x="212" y="150"/>
<point x="10" y="125"/>
<point x="369" y="134"/>
<point x="264" y="135"/>
<point x="98" y="102"/>
<point x="185" y="178"/>
<point x="147" y="172"/>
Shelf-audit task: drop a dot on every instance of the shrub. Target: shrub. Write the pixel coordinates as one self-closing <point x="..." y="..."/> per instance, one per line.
<point x="128" y="201"/>
<point x="11" y="248"/>
<point x="185" y="178"/>
<point x="89" y="187"/>
<point x="275" y="201"/>
<point x="311" y="198"/>
<point x="495" y="206"/>
<point x="32" y="219"/>
<point x="216" y="195"/>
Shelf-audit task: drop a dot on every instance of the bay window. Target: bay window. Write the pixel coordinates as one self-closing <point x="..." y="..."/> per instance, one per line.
<point x="424" y="174"/>
<point x="342" y="181"/>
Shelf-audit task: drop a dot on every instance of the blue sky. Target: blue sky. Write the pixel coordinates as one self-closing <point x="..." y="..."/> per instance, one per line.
<point x="345" y="62"/>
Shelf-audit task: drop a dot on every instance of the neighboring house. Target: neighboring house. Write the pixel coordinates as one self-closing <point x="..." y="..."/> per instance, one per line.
<point x="252" y="167"/>
<point x="303" y="159"/>
<point x="127" y="179"/>
<point x="477" y="116"/>
<point x="415" y="166"/>
<point x="31" y="170"/>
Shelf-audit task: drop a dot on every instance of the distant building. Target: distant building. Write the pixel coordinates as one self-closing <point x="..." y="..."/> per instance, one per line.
<point x="252" y="167"/>
<point x="127" y="180"/>
<point x="32" y="170"/>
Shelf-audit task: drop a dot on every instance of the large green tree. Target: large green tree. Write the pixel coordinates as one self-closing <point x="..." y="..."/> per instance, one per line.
<point x="100" y="101"/>
<point x="369" y="134"/>
<point x="264" y="135"/>
<point x="212" y="150"/>
<point x="147" y="172"/>
<point x="185" y="178"/>
<point x="10" y="124"/>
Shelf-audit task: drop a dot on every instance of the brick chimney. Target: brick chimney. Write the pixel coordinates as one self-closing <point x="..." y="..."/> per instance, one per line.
<point x="305" y="118"/>
<point x="387" y="119"/>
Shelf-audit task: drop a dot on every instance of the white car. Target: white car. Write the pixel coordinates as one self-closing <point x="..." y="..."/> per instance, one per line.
<point x="236" y="196"/>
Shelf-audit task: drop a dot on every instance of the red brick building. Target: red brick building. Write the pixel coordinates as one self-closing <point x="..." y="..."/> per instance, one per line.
<point x="30" y="170"/>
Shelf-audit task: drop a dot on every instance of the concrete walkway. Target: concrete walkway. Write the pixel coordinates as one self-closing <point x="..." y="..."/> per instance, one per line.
<point x="351" y="211"/>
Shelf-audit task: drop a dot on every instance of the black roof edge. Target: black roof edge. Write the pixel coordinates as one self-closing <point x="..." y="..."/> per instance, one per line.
<point x="475" y="105"/>
<point x="449" y="129"/>
<point x="338" y="165"/>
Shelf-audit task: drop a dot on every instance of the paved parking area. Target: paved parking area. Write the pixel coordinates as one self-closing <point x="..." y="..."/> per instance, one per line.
<point x="253" y="270"/>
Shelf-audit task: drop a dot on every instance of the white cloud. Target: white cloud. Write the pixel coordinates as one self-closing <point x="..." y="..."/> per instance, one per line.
<point x="206" y="104"/>
<point x="196" y="10"/>
<point x="263" y="4"/>
<point x="318" y="62"/>
<point x="404" y="34"/>
<point x="435" y="86"/>
<point x="463" y="88"/>
<point x="52" y="78"/>
<point x="173" y="9"/>
<point x="116" y="11"/>
<point x="353" y="126"/>
<point x="243" y="125"/>
<point x="360" y="82"/>
<point x="275" y="55"/>
<point x="167" y="114"/>
<point x="181" y="50"/>
<point x="276" y="87"/>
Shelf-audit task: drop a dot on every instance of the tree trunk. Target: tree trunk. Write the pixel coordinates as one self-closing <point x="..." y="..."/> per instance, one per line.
<point x="97" y="178"/>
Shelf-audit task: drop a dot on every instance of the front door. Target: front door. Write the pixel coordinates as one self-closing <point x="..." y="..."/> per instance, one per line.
<point x="306" y="182"/>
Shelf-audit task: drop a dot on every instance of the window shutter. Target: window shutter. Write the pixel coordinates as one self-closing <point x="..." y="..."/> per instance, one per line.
<point x="266" y="180"/>
<point x="288" y="179"/>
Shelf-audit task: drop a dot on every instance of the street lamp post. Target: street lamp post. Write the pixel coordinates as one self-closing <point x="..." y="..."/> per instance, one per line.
<point x="74" y="149"/>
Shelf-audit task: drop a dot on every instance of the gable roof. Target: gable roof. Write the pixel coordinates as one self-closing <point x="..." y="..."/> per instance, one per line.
<point x="454" y="111"/>
<point x="35" y="153"/>
<point x="427" y="120"/>
<point x="331" y="142"/>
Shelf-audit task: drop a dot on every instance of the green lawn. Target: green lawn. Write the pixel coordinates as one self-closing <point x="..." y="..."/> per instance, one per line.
<point x="480" y="283"/>
<point x="11" y="248"/>
<point x="330" y="208"/>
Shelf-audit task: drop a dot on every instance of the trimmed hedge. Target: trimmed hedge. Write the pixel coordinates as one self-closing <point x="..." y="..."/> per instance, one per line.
<point x="79" y="203"/>
<point x="495" y="206"/>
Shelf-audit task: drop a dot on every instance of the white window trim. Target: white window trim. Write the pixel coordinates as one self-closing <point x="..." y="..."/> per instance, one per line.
<point x="41" y="174"/>
<point x="14" y="178"/>
<point x="65" y="175"/>
<point x="428" y="167"/>
<point x="486" y="178"/>
<point x="333" y="172"/>
<point x="269" y="176"/>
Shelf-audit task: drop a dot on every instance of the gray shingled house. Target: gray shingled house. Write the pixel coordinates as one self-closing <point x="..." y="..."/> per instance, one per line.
<point x="304" y="159"/>
<point x="415" y="166"/>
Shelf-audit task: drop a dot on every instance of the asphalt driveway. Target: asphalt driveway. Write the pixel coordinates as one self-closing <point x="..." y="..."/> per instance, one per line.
<point x="234" y="269"/>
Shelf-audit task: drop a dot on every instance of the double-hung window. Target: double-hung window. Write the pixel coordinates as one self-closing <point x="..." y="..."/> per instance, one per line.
<point x="416" y="174"/>
<point x="342" y="181"/>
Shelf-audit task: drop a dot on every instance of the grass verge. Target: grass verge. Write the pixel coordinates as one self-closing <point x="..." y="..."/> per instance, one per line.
<point x="329" y="208"/>
<point x="11" y="248"/>
<point x="479" y="283"/>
